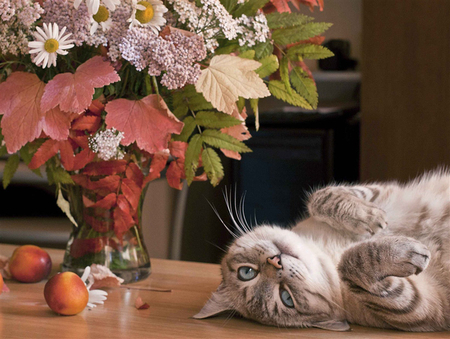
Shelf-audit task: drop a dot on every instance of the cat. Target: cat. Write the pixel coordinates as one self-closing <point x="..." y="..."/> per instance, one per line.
<point x="374" y="255"/>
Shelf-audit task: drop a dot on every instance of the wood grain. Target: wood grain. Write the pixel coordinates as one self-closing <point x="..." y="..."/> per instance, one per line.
<point x="405" y="102"/>
<point x="24" y="313"/>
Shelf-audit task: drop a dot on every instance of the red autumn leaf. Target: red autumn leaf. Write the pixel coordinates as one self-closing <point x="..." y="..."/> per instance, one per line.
<point x="108" y="184"/>
<point x="133" y="172"/>
<point x="73" y="92"/>
<point x="122" y="217"/>
<point x="57" y="124"/>
<point x="178" y="149"/>
<point x="82" y="159"/>
<point x="140" y="305"/>
<point x="132" y="192"/>
<point x="100" y="225"/>
<point x="86" y="201"/>
<point x="20" y="97"/>
<point x="89" y="123"/>
<point x="175" y="174"/>
<point x="107" y="202"/>
<point x="80" y="247"/>
<point x="159" y="162"/>
<point x="281" y="5"/>
<point x="105" y="167"/>
<point x="239" y="132"/>
<point x="81" y="179"/>
<point x="47" y="150"/>
<point x="67" y="156"/>
<point x="96" y="107"/>
<point x="148" y="121"/>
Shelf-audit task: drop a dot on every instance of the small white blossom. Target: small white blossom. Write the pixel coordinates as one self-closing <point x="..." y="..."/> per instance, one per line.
<point x="148" y="13"/>
<point x="106" y="144"/>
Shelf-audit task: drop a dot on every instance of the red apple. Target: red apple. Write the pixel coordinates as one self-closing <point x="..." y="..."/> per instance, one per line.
<point x="1" y="284"/>
<point x="30" y="264"/>
<point x="66" y="294"/>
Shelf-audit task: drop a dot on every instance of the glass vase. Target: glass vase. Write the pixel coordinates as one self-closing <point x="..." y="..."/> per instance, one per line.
<point x="108" y="230"/>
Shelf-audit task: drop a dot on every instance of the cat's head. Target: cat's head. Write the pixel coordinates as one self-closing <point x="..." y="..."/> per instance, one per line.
<point x="275" y="277"/>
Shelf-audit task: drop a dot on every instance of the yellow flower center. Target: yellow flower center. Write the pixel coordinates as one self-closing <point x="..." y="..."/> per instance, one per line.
<point x="102" y="14"/>
<point x="51" y="45"/>
<point x="146" y="15"/>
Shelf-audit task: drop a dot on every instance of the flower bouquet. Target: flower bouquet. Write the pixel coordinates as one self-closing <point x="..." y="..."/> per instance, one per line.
<point x="106" y="94"/>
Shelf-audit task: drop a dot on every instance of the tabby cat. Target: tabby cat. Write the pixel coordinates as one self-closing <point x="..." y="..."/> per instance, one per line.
<point x="374" y="255"/>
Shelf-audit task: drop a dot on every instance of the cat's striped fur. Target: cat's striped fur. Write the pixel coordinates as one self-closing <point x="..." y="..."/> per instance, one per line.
<point x="357" y="258"/>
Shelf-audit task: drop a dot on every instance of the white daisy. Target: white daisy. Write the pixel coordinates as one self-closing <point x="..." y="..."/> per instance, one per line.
<point x="49" y="42"/>
<point x="94" y="5"/>
<point x="148" y="14"/>
<point x="95" y="296"/>
<point x="102" y="18"/>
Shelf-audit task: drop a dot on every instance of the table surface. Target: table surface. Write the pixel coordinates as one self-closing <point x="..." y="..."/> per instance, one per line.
<point x="24" y="313"/>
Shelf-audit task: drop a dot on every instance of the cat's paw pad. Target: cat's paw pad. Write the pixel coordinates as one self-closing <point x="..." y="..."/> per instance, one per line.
<point x="409" y="257"/>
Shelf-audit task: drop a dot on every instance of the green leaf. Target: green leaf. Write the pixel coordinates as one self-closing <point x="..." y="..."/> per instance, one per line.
<point x="191" y="157"/>
<point x="229" y="5"/>
<point x="308" y="51"/>
<point x="212" y="165"/>
<point x="220" y="140"/>
<point x="279" y="91"/>
<point x="263" y="50"/>
<point x="249" y="8"/>
<point x="226" y="49"/>
<point x="61" y="176"/>
<point x="187" y="99"/>
<point x="26" y="153"/>
<point x="255" y="108"/>
<point x="285" y="36"/>
<point x="3" y="150"/>
<point x="97" y="93"/>
<point x="268" y="66"/>
<point x="189" y="126"/>
<point x="282" y="20"/>
<point x="249" y="54"/>
<point x="240" y="104"/>
<point x="284" y="74"/>
<point x="10" y="168"/>
<point x="305" y="86"/>
<point x="218" y="120"/>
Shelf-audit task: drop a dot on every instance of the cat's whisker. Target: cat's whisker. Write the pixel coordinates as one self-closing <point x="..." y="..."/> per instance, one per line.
<point x="216" y="246"/>
<point x="223" y="222"/>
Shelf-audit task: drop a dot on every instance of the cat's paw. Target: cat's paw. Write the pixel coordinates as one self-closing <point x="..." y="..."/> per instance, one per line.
<point x="363" y="218"/>
<point x="408" y="257"/>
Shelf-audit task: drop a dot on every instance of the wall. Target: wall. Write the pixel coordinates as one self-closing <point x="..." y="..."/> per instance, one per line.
<point x="406" y="88"/>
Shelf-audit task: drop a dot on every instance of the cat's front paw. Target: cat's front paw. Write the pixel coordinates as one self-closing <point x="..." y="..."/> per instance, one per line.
<point x="363" y="217"/>
<point x="408" y="257"/>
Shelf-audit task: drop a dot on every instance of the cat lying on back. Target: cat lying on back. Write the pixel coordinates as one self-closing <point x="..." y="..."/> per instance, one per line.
<point x="374" y="255"/>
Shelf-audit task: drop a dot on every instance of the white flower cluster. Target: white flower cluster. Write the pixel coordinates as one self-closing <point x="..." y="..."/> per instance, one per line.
<point x="106" y="144"/>
<point x="174" y="55"/>
<point x="17" y="17"/>
<point x="213" y="22"/>
<point x="252" y="30"/>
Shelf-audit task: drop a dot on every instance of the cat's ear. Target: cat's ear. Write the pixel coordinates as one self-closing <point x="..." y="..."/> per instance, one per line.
<point x="332" y="325"/>
<point x="216" y="304"/>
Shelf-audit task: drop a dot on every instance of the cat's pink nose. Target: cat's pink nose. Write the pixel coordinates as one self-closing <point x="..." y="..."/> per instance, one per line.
<point x="275" y="261"/>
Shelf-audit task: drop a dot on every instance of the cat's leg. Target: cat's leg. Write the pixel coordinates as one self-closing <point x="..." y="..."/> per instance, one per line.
<point x="381" y="274"/>
<point x="355" y="209"/>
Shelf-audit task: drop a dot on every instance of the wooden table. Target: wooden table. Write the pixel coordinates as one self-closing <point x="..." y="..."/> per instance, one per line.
<point x="24" y="313"/>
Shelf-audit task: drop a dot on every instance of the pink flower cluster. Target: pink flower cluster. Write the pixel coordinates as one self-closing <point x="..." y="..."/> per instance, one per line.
<point x="174" y="55"/>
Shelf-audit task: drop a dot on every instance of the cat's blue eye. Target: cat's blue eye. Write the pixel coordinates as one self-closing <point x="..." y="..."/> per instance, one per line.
<point x="286" y="298"/>
<point x="246" y="273"/>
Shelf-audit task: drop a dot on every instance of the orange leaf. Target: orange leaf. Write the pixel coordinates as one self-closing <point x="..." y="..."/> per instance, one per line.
<point x="159" y="161"/>
<point x="132" y="192"/>
<point x="133" y="172"/>
<point x="82" y="159"/>
<point x="67" y="156"/>
<point x="20" y="97"/>
<point x="73" y="92"/>
<point x="122" y="217"/>
<point x="175" y="174"/>
<point x="148" y="121"/>
<point x="90" y="123"/>
<point x="105" y="167"/>
<point x="81" y="247"/>
<point x="108" y="184"/>
<point x="47" y="150"/>
<point x="107" y="202"/>
<point x="140" y="305"/>
<point x="239" y="132"/>
<point x="281" y="5"/>
<point x="96" y="107"/>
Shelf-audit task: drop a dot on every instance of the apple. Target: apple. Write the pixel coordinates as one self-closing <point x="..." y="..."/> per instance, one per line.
<point x="30" y="264"/>
<point x="66" y="294"/>
<point x="1" y="284"/>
